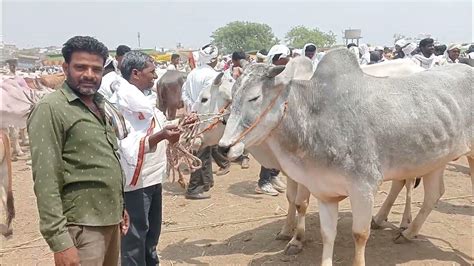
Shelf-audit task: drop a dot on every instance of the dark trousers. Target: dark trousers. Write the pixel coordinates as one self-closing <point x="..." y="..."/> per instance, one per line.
<point x="145" y="211"/>
<point x="220" y="159"/>
<point x="266" y="175"/>
<point x="202" y="179"/>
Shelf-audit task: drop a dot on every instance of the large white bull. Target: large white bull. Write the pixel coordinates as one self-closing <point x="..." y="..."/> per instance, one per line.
<point x="343" y="132"/>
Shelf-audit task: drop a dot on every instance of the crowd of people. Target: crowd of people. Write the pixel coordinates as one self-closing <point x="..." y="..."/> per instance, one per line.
<point x="99" y="143"/>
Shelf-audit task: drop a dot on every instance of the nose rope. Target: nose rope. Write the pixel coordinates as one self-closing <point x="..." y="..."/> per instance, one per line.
<point x="263" y="114"/>
<point x="180" y="157"/>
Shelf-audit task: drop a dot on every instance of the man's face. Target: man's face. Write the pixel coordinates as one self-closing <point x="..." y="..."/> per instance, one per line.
<point x="145" y="79"/>
<point x="84" y="72"/>
<point x="428" y="49"/>
<point x="12" y="68"/>
<point x="119" y="60"/>
<point x="309" y="54"/>
<point x="175" y="61"/>
<point x="454" y="54"/>
<point x="236" y="63"/>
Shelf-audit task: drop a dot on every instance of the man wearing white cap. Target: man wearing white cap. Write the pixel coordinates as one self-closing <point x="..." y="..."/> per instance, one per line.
<point x="451" y="55"/>
<point x="199" y="78"/>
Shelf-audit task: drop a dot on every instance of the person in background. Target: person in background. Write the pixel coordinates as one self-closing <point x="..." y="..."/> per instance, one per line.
<point x="426" y="58"/>
<point x="120" y="52"/>
<point x="451" y="55"/>
<point x="199" y="78"/>
<point x="310" y="50"/>
<point x="174" y="62"/>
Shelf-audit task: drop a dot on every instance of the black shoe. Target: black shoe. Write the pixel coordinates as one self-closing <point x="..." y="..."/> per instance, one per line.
<point x="197" y="196"/>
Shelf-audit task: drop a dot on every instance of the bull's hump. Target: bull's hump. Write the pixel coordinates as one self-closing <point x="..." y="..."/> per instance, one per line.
<point x="336" y="62"/>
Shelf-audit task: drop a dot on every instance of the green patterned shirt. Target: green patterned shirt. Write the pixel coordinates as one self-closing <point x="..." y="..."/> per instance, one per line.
<point x="76" y="169"/>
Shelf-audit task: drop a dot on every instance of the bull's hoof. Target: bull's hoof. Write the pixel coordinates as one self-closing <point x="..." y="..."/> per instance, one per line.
<point x="374" y="225"/>
<point x="400" y="238"/>
<point x="8" y="233"/>
<point x="293" y="249"/>
<point x="281" y="236"/>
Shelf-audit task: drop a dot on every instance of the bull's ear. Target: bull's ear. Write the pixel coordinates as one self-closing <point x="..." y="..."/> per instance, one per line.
<point x="274" y="71"/>
<point x="218" y="79"/>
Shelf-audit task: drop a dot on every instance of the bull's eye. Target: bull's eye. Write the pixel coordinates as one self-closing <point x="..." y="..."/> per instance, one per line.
<point x="254" y="99"/>
<point x="203" y="100"/>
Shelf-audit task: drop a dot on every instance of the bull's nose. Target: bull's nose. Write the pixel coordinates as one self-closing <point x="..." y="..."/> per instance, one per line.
<point x="224" y="150"/>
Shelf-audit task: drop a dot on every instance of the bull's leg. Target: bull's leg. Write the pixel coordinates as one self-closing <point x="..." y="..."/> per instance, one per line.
<point x="362" y="202"/>
<point x="295" y="245"/>
<point x="470" y="160"/>
<point x="24" y="137"/>
<point x="434" y="188"/>
<point x="6" y="191"/>
<point x="406" y="219"/>
<point x="328" y="212"/>
<point x="16" y="149"/>
<point x="379" y="220"/>
<point x="287" y="231"/>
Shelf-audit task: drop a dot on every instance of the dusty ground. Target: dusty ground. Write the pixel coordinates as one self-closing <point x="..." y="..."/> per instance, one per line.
<point x="236" y="226"/>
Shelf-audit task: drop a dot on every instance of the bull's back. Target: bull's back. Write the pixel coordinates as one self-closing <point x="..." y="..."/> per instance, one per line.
<point x="423" y="118"/>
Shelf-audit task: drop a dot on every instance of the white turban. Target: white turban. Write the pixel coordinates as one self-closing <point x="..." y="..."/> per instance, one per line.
<point x="278" y="49"/>
<point x="454" y="46"/>
<point x="409" y="48"/>
<point x="208" y="54"/>
<point x="111" y="60"/>
<point x="261" y="56"/>
<point x="401" y="42"/>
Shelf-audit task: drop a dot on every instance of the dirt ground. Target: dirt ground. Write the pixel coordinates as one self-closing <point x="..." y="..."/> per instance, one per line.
<point x="238" y="227"/>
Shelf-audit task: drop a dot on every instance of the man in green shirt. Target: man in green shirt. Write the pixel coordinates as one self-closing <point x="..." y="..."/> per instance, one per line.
<point x="77" y="176"/>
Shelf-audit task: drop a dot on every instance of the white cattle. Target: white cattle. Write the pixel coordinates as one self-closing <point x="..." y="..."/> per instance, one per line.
<point x="218" y="97"/>
<point x="343" y="132"/>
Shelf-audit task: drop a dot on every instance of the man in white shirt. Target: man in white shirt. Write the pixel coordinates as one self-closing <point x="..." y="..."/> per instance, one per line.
<point x="174" y="62"/>
<point x="111" y="75"/>
<point x="426" y="58"/>
<point x="199" y="78"/>
<point x="142" y="157"/>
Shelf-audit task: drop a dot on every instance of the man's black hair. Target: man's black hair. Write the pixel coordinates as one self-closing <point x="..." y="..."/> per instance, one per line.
<point x="174" y="56"/>
<point x="122" y="50"/>
<point x="84" y="44"/>
<point x="440" y="49"/>
<point x="263" y="51"/>
<point x="425" y="42"/>
<point x="236" y="56"/>
<point x="310" y="48"/>
<point x="351" y="44"/>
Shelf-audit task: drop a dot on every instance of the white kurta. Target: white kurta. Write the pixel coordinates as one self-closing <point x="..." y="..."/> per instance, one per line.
<point x="143" y="167"/>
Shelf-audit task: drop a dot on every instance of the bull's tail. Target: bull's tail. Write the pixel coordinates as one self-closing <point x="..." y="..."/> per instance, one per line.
<point x="10" y="209"/>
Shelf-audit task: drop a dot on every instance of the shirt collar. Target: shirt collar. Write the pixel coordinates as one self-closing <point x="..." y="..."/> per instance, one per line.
<point x="72" y="96"/>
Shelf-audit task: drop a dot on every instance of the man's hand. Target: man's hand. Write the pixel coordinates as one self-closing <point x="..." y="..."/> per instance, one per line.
<point x="190" y="119"/>
<point x="68" y="257"/>
<point x="171" y="133"/>
<point x="125" y="223"/>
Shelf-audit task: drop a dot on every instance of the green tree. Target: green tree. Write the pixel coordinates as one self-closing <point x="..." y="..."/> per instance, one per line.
<point x="243" y="36"/>
<point x="300" y="35"/>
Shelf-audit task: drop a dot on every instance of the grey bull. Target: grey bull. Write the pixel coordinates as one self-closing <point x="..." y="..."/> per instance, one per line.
<point x="343" y="132"/>
<point x="217" y="98"/>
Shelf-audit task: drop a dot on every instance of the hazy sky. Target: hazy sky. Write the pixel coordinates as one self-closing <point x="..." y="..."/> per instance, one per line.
<point x="165" y="23"/>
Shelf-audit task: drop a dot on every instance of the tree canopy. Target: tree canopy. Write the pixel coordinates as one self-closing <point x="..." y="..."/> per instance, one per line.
<point x="243" y="36"/>
<point x="300" y="35"/>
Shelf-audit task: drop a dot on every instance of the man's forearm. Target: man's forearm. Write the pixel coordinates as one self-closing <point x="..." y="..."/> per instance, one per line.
<point x="154" y="139"/>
